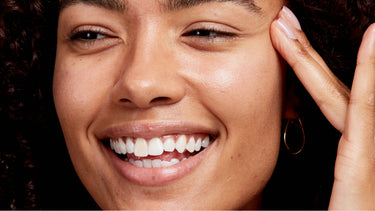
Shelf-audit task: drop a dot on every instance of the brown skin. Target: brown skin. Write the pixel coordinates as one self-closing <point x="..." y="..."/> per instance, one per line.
<point x="351" y="111"/>
<point x="145" y="69"/>
<point x="232" y="85"/>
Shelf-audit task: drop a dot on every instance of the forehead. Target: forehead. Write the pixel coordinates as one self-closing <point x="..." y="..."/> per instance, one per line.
<point x="169" y="5"/>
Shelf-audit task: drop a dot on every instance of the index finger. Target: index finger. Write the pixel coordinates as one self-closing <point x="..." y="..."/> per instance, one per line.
<point x="330" y="94"/>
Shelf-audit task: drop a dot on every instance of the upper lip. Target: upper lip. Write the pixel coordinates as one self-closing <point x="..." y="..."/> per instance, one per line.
<point x="153" y="129"/>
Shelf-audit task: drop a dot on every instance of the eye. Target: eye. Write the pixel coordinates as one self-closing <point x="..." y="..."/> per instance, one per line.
<point x="209" y="33"/>
<point x="210" y="37"/>
<point x="87" y="35"/>
<point x="91" y="39"/>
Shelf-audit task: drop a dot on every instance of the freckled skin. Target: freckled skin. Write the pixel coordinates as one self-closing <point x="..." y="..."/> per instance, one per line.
<point x="147" y="69"/>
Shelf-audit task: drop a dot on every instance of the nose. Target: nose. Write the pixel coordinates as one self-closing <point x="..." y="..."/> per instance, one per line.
<point x="149" y="77"/>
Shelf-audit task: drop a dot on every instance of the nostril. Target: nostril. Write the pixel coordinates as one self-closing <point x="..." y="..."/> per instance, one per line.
<point x="124" y="100"/>
<point x="155" y="101"/>
<point x="160" y="100"/>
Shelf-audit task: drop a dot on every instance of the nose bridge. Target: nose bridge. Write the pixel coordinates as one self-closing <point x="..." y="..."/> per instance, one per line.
<point x="149" y="76"/>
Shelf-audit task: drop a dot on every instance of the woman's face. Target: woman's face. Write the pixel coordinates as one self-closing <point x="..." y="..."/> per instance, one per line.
<point x="142" y="87"/>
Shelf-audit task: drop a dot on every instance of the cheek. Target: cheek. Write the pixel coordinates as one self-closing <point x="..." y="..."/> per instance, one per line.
<point x="80" y="87"/>
<point x="246" y="86"/>
<point x="244" y="92"/>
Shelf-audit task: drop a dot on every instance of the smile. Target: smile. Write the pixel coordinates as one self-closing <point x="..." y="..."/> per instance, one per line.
<point x="159" y="151"/>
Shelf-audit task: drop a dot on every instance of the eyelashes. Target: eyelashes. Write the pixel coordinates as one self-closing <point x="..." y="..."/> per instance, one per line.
<point x="200" y="37"/>
<point x="87" y="35"/>
<point x="92" y="38"/>
<point x="209" y="33"/>
<point x="90" y="35"/>
<point x="210" y="37"/>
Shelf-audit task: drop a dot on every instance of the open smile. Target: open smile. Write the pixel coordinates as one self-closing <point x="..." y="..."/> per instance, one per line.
<point x="154" y="159"/>
<point x="159" y="152"/>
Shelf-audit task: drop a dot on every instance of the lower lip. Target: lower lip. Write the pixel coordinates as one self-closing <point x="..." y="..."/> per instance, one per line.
<point x="157" y="176"/>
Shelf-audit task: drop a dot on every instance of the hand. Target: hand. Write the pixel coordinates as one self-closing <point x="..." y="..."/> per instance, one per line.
<point x="351" y="112"/>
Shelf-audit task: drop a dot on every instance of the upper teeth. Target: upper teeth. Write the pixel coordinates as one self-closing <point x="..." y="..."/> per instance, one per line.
<point x="156" y="146"/>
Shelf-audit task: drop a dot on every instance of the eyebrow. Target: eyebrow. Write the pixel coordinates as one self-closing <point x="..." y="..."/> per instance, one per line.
<point x="172" y="5"/>
<point x="169" y="5"/>
<point x="115" y="5"/>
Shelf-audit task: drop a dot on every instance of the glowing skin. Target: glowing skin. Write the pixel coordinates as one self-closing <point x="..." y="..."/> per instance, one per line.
<point x="148" y="74"/>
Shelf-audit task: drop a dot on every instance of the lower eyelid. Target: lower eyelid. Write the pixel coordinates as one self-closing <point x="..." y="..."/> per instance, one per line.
<point x="221" y="37"/>
<point x="96" y="45"/>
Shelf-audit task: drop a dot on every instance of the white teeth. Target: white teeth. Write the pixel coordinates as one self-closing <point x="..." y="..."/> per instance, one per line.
<point x="181" y="144"/>
<point x="129" y="145"/>
<point x="138" y="163"/>
<point x="166" y="163"/>
<point x="131" y="161"/>
<point x="190" y="145"/>
<point x="157" y="163"/>
<point x="117" y="146"/>
<point x="174" y="161"/>
<point x="121" y="146"/>
<point x="169" y="145"/>
<point x="155" y="147"/>
<point x="112" y="144"/>
<point x="140" y="147"/>
<point x="206" y="142"/>
<point x="198" y="145"/>
<point x="147" y="163"/>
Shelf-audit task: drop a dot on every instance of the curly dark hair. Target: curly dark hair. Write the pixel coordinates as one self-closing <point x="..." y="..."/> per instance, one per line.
<point x="20" y="45"/>
<point x="35" y="171"/>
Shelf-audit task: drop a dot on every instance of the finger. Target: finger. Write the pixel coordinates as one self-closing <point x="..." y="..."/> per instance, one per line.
<point x="360" y="125"/>
<point x="354" y="170"/>
<point x="288" y="15"/>
<point x="330" y="94"/>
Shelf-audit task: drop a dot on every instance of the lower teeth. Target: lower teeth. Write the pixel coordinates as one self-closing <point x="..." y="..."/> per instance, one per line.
<point x="148" y="163"/>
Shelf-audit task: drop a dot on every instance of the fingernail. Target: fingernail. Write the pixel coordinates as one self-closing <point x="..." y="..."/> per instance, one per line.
<point x="286" y="28"/>
<point x="291" y="17"/>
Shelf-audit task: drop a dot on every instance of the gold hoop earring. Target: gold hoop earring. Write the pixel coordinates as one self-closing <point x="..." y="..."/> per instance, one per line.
<point x="294" y="136"/>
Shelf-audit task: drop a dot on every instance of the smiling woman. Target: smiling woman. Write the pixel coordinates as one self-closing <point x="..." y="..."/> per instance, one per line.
<point x="179" y="104"/>
<point x="206" y="55"/>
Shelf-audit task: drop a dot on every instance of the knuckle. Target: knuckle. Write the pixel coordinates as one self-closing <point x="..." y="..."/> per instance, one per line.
<point x="333" y="93"/>
<point x="301" y="51"/>
<point x="302" y="57"/>
<point x="306" y="44"/>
